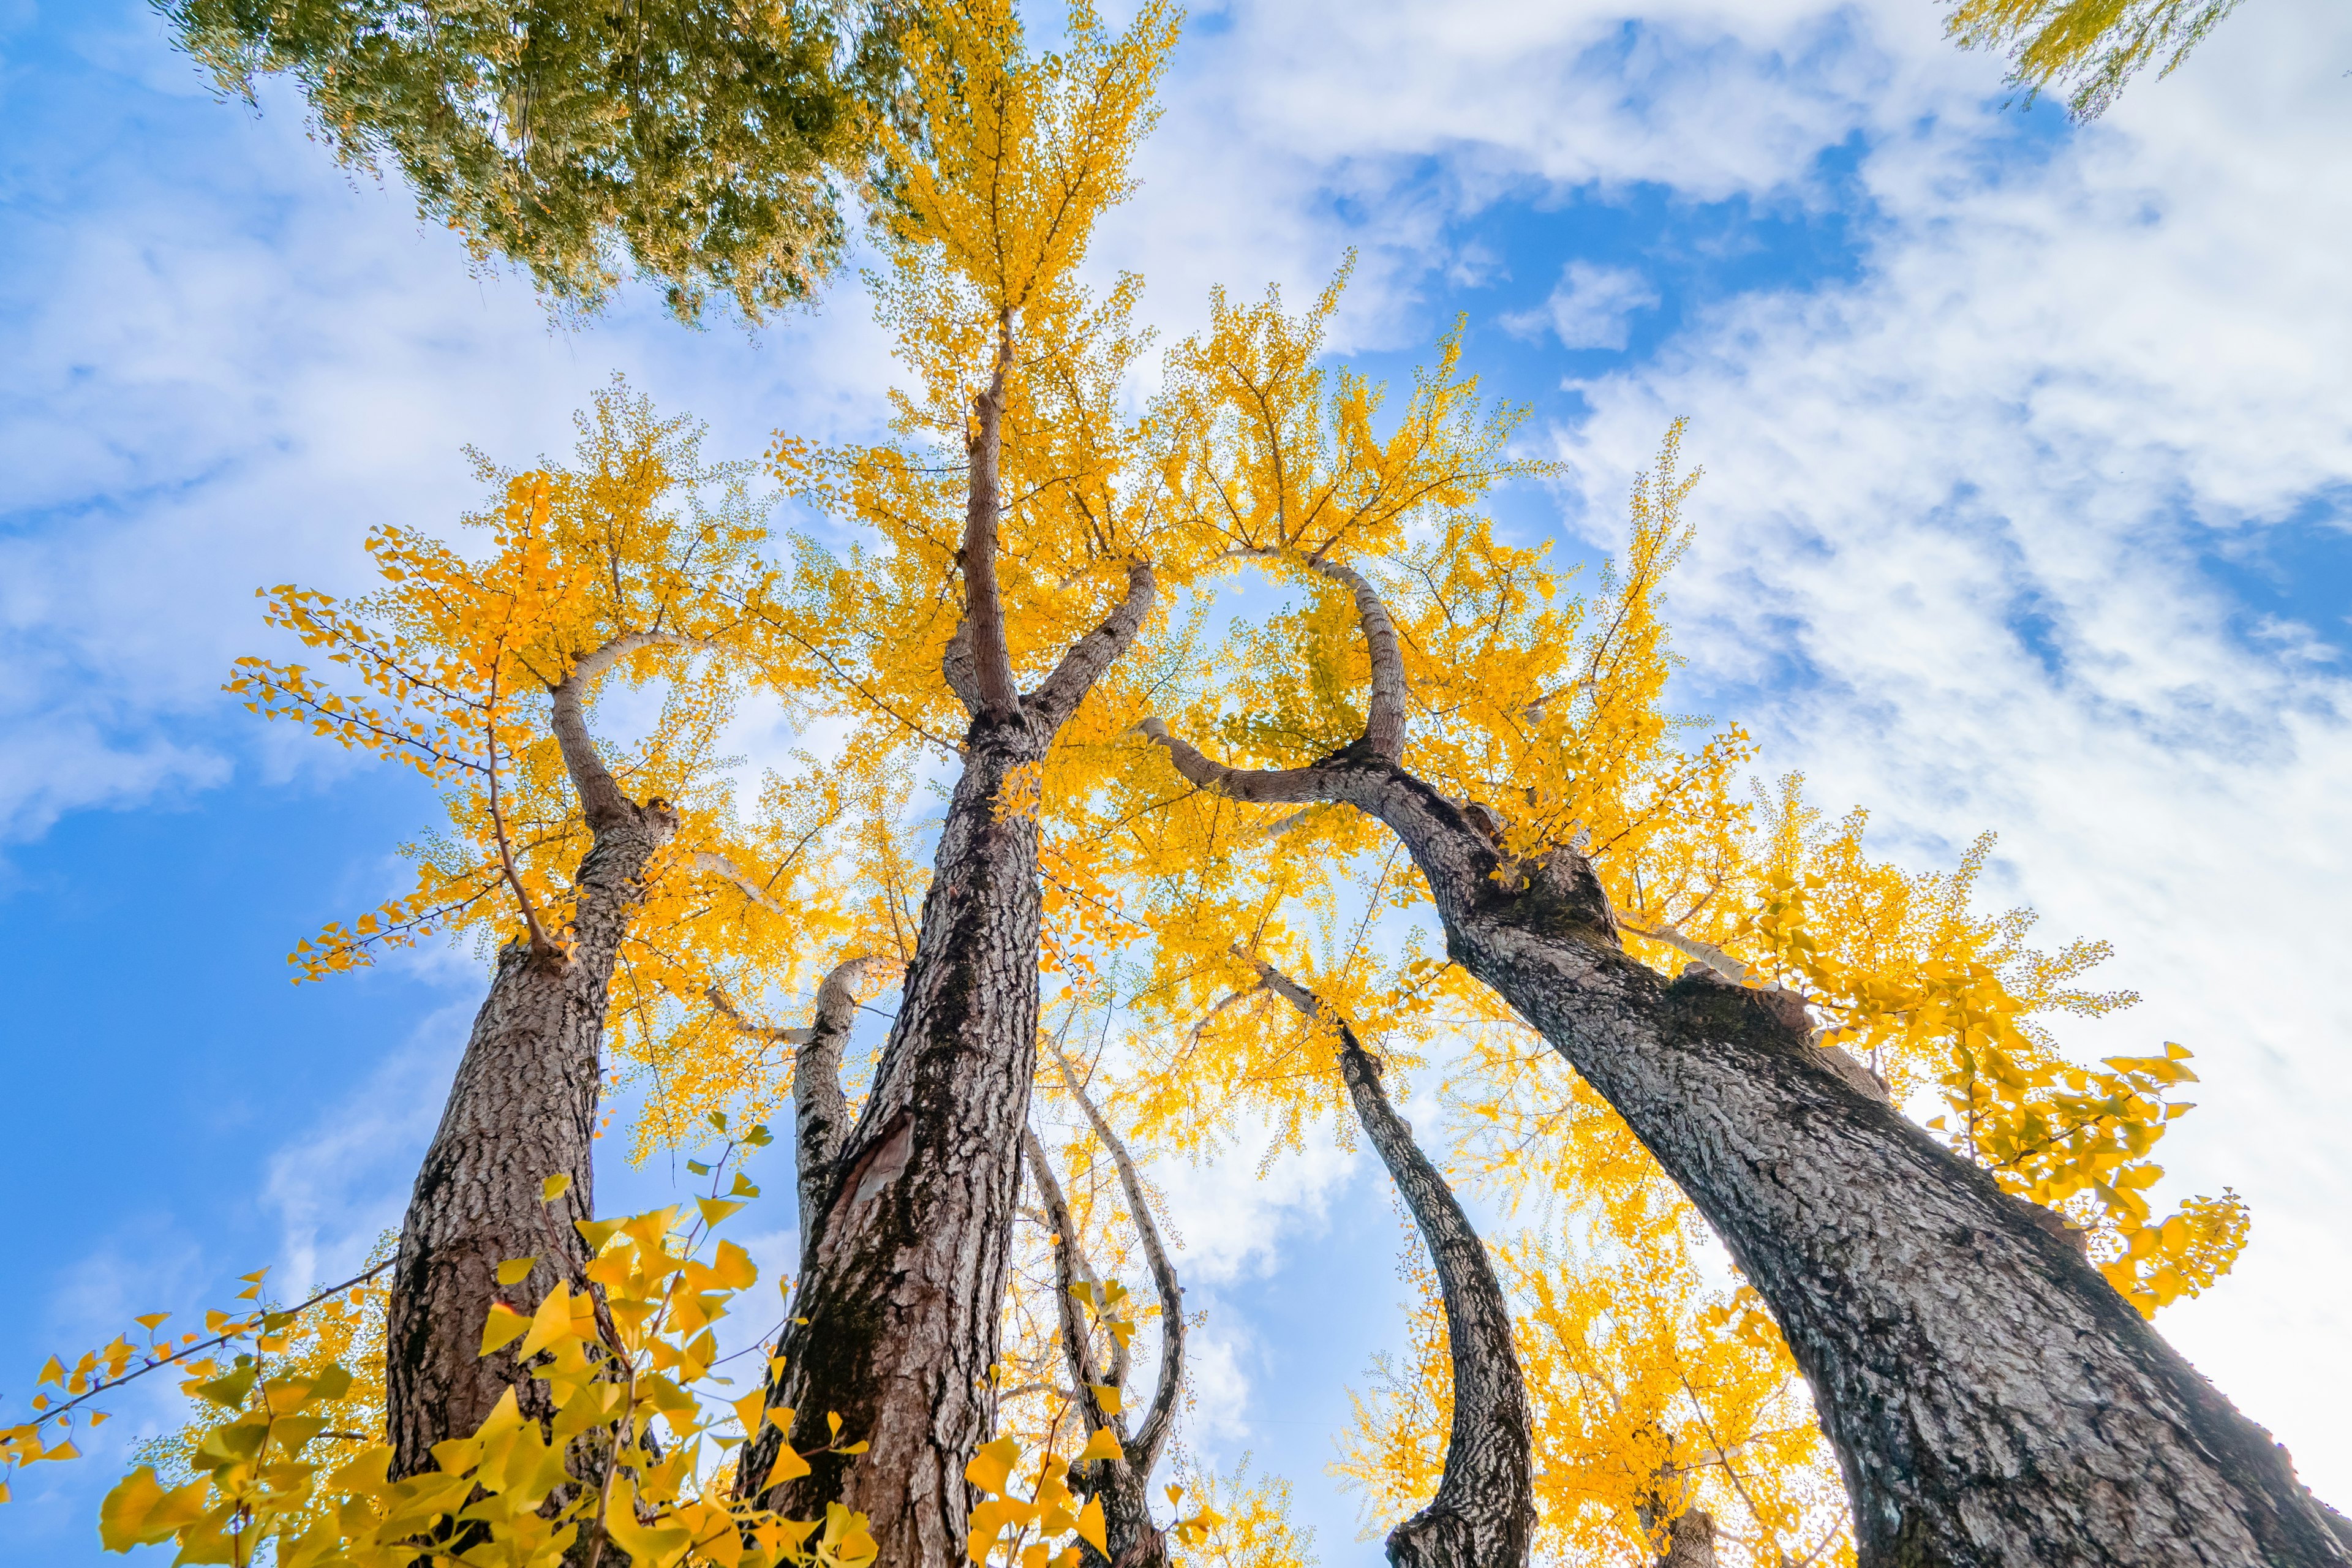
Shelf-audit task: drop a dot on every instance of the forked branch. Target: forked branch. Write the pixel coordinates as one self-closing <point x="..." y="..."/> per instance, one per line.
<point x="602" y="799"/>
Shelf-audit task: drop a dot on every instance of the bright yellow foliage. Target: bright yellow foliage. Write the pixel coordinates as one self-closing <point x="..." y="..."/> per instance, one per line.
<point x="631" y="1347"/>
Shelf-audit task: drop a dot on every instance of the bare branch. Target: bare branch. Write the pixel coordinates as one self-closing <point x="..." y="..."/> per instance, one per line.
<point x="1706" y="952"/>
<point x="1070" y="1272"/>
<point x="719" y="865"/>
<point x="1257" y="785"/>
<point x="1151" y="1436"/>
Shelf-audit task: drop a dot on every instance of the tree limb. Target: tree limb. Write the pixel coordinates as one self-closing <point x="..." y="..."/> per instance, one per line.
<point x="984" y="607"/>
<point x="1083" y="665"/>
<point x="719" y="865"/>
<point x="1151" y="1434"/>
<point x="1484" y="1508"/>
<point x="601" y="798"/>
<point x="1070" y="1274"/>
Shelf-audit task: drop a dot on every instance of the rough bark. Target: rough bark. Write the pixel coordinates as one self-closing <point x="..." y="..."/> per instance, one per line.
<point x="820" y="1110"/>
<point x="895" y="1319"/>
<point x="522" y="1107"/>
<point x="1690" y="1540"/>
<point x="1483" y="1513"/>
<point x="1990" y="1399"/>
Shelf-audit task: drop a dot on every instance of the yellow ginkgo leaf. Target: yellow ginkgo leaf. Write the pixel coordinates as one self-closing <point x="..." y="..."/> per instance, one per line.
<point x="1090" y="1524"/>
<point x="991" y="1467"/>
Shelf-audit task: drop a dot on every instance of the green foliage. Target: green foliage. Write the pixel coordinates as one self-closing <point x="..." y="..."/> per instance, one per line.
<point x="2092" y="46"/>
<point x="703" y="138"/>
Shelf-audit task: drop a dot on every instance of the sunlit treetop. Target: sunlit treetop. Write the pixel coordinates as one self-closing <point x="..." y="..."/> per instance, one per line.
<point x="704" y="146"/>
<point x="627" y="582"/>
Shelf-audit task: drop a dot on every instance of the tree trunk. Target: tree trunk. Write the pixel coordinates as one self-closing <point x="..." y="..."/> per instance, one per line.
<point x="897" y="1313"/>
<point x="1484" y="1514"/>
<point x="1690" y="1540"/>
<point x="1992" y="1400"/>
<point x="522" y="1109"/>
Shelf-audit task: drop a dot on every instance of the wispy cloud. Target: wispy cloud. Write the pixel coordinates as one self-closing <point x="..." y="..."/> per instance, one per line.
<point x="1592" y="307"/>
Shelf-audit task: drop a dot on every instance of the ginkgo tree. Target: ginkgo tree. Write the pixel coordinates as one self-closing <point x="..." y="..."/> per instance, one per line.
<point x="1841" y="1212"/>
<point x="611" y="879"/>
<point x="1002" y="622"/>
<point x="1007" y="535"/>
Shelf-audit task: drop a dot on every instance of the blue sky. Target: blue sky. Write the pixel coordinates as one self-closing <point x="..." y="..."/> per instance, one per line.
<point x="2030" y="457"/>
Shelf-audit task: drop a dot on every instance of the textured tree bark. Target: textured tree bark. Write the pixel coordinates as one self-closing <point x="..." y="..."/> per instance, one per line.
<point x="522" y="1107"/>
<point x="1990" y="1399"/>
<point x="897" y="1316"/>
<point x="820" y="1110"/>
<point x="1484" y="1514"/>
<point x="900" y="1294"/>
<point x="1690" y="1540"/>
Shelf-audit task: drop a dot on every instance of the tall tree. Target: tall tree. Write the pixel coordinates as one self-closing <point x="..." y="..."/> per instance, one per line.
<point x="704" y="141"/>
<point x="897" y="1314"/>
<point x="577" y="859"/>
<point x="2069" y="1434"/>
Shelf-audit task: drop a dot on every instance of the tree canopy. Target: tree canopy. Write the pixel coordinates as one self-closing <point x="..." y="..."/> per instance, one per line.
<point x="709" y="146"/>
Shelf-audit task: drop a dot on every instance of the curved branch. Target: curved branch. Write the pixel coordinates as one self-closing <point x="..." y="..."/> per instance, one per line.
<point x="601" y="798"/>
<point x="1383" y="737"/>
<point x="1151" y="1434"/>
<point x="1484" y="1508"/>
<point x="1256" y="785"/>
<point x="1083" y="665"/>
<point x="1385" y="722"/>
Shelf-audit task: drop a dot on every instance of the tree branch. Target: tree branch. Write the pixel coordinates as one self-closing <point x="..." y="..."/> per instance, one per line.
<point x="984" y="607"/>
<point x="601" y="798"/>
<point x="963" y="674"/>
<point x="719" y="865"/>
<point x="1486" y="1492"/>
<point x="1084" y="664"/>
<point x="1070" y="1272"/>
<point x="820" y="1109"/>
<point x="1152" y="1435"/>
<point x="1257" y="785"/>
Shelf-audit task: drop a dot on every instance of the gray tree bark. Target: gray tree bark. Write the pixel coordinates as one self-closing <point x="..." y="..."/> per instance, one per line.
<point x="522" y="1109"/>
<point x="1990" y="1399"/>
<point x="1484" y="1514"/>
<point x="895" y="1319"/>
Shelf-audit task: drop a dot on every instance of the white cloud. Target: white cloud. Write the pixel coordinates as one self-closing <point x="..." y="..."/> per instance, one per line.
<point x="344" y="1180"/>
<point x="1229" y="1214"/>
<point x="1590" y="307"/>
